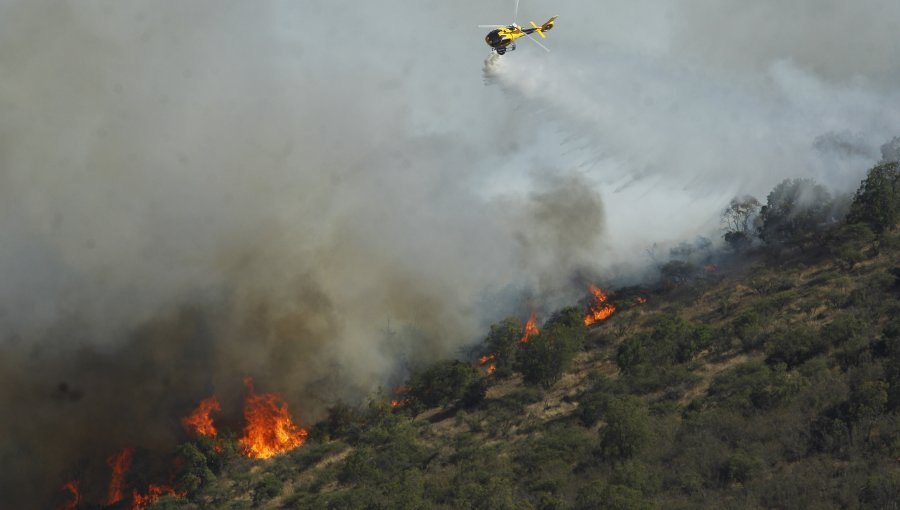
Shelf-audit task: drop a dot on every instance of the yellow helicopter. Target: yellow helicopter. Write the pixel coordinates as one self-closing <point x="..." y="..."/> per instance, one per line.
<point x="503" y="37"/>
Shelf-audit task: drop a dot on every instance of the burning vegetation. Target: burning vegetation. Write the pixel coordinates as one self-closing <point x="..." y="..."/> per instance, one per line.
<point x="199" y="422"/>
<point x="530" y="328"/>
<point x="600" y="309"/>
<point x="401" y="396"/>
<point x="269" y="429"/>
<point x="491" y="368"/>
<point x="119" y="463"/>
<point x="154" y="492"/>
<point x="74" y="491"/>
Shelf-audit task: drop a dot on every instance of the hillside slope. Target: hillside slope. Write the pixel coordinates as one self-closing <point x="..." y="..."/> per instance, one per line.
<point x="772" y="383"/>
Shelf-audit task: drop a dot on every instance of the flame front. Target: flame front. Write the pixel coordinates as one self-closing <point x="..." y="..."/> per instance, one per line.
<point x="530" y="328"/>
<point x="199" y="422"/>
<point x="154" y="492"/>
<point x="269" y="430"/>
<point x="74" y="489"/>
<point x="491" y="369"/>
<point x="600" y="309"/>
<point x="119" y="463"/>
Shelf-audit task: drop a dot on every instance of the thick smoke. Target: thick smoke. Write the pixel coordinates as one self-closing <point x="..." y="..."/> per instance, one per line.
<point x="675" y="118"/>
<point x="323" y="194"/>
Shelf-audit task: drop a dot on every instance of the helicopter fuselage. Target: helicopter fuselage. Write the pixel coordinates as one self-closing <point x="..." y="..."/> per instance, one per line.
<point x="503" y="39"/>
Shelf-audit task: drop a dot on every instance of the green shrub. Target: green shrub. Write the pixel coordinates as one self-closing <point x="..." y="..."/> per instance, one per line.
<point x="503" y="342"/>
<point x="359" y="466"/>
<point x="881" y="491"/>
<point x="677" y="271"/>
<point x="266" y="489"/>
<point x="849" y="243"/>
<point x="751" y="387"/>
<point x="544" y="358"/>
<point x="877" y="201"/>
<point x="868" y="399"/>
<point x="592" y="402"/>
<point x="794" y="209"/>
<point x="601" y="496"/>
<point x="627" y="429"/>
<point x="792" y="345"/>
<point x="748" y="328"/>
<point x="740" y="467"/>
<point x="443" y="382"/>
<point x="342" y="421"/>
<point x="193" y="468"/>
<point x="648" y="378"/>
<point x="672" y="340"/>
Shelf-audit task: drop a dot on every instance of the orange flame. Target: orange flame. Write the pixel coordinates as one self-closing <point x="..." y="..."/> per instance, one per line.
<point x="530" y="328"/>
<point x="398" y="392"/>
<point x="154" y="492"/>
<point x="199" y="422"/>
<point x="119" y="463"/>
<point x="73" y="488"/>
<point x="639" y="300"/>
<point x="491" y="369"/>
<point x="600" y="310"/>
<point x="269" y="430"/>
<point x="484" y="359"/>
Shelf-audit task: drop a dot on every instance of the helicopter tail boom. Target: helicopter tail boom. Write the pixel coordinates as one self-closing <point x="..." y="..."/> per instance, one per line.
<point x="539" y="30"/>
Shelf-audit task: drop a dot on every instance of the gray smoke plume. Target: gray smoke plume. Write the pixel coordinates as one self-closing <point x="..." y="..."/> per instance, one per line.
<point x="322" y="194"/>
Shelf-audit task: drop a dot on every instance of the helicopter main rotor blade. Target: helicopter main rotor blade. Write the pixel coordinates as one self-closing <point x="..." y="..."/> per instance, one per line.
<point x="535" y="41"/>
<point x="491" y="26"/>
<point x="516" y="13"/>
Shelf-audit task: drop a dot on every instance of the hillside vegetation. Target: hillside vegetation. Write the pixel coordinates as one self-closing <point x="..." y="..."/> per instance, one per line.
<point x="771" y="380"/>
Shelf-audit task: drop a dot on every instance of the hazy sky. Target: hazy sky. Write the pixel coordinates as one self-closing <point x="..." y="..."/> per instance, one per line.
<point x="209" y="189"/>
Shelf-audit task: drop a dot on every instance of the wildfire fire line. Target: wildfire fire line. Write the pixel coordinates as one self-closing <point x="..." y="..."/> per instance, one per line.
<point x="269" y="431"/>
<point x="154" y="492"/>
<point x="600" y="309"/>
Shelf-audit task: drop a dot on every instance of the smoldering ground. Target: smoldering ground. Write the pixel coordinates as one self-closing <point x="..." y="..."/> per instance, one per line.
<point x="317" y="194"/>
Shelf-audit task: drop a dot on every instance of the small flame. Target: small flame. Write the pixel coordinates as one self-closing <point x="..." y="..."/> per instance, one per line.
<point x="484" y="359"/>
<point x="199" y="422"/>
<point x="269" y="430"/>
<point x="398" y="392"/>
<point x="600" y="309"/>
<point x="530" y="328"/>
<point x="154" y="492"/>
<point x="119" y="463"/>
<point x="639" y="300"/>
<point x="74" y="490"/>
<point x="491" y="369"/>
